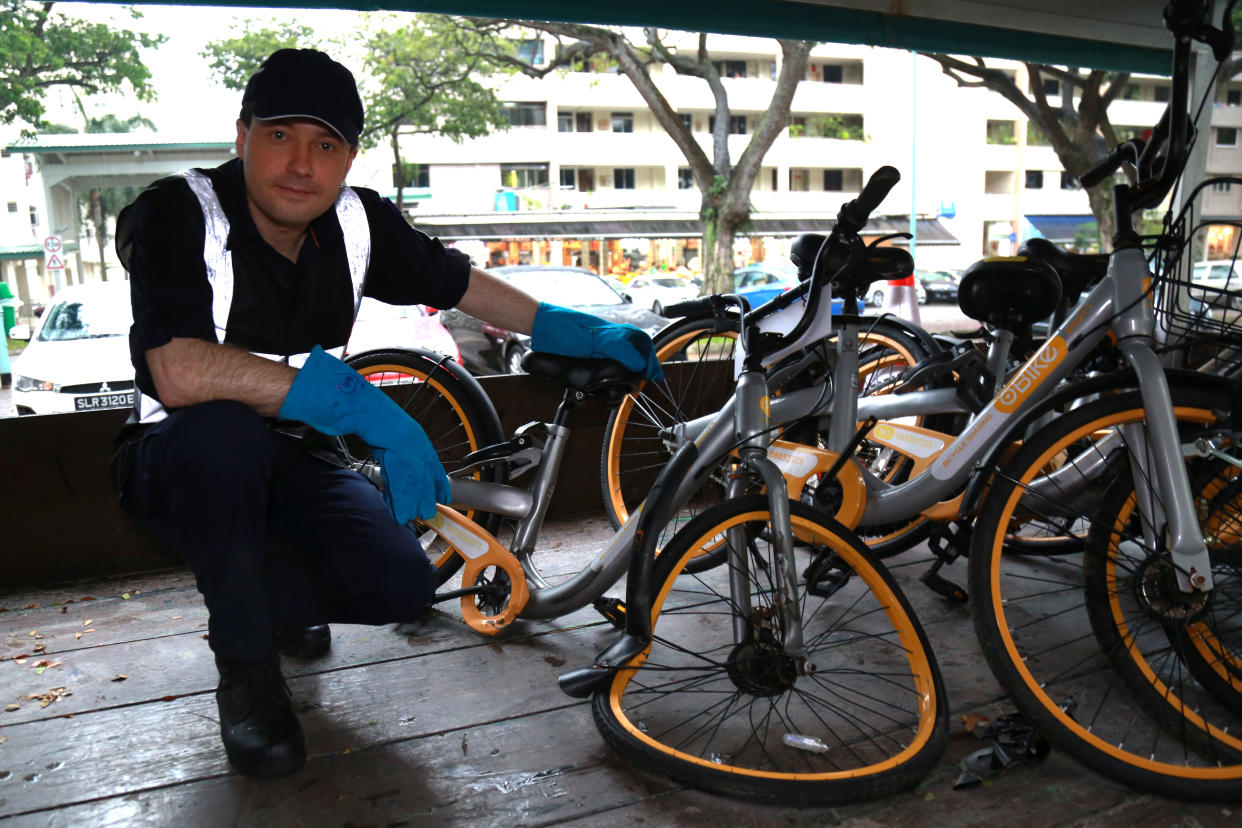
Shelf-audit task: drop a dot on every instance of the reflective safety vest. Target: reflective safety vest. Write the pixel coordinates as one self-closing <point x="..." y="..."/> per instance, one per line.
<point x="219" y="261"/>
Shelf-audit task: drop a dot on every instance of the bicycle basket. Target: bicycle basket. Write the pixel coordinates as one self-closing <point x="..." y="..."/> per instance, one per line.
<point x="1198" y="281"/>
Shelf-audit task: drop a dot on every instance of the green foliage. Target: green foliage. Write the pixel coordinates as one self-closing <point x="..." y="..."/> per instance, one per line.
<point x="41" y="48"/>
<point x="235" y="59"/>
<point x="419" y="78"/>
<point x="1036" y="137"/>
<point x="1001" y="132"/>
<point x="425" y="80"/>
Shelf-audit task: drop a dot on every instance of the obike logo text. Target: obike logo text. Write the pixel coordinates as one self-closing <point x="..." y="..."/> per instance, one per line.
<point x="916" y="444"/>
<point x="1035" y="371"/>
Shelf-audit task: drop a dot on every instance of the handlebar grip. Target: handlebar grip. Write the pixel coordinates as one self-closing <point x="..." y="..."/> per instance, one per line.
<point x="873" y="192"/>
<point x="691" y="307"/>
<point x="1102" y="170"/>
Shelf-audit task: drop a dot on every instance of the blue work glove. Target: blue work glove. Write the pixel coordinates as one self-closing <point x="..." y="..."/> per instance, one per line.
<point x="330" y="396"/>
<point x="572" y="333"/>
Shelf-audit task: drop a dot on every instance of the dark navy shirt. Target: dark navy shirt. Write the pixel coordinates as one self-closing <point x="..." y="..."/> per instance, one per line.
<point x="279" y="306"/>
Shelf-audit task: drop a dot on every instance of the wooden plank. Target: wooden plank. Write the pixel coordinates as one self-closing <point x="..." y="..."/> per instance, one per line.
<point x="108" y="752"/>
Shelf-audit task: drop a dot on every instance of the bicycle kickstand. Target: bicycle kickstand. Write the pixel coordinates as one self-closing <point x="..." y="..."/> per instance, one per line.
<point x="947" y="543"/>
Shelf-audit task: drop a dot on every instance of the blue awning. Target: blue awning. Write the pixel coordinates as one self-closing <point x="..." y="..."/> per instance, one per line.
<point x="1063" y="229"/>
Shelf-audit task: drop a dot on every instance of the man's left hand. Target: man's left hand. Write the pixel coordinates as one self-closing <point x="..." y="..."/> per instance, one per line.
<point x="572" y="333"/>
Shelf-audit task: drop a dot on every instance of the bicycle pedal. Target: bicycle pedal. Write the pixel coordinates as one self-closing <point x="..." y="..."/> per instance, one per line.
<point x="613" y="610"/>
<point x="944" y="587"/>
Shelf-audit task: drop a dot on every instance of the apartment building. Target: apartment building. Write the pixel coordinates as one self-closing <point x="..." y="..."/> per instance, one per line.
<point x="970" y="161"/>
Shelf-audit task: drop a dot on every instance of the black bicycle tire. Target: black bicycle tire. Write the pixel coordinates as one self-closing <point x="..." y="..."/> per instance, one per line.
<point x="1034" y="670"/>
<point x="464" y="397"/>
<point x="917" y="751"/>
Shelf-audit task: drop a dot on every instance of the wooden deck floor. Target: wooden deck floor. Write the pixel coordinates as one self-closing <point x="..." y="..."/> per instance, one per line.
<point x="111" y="721"/>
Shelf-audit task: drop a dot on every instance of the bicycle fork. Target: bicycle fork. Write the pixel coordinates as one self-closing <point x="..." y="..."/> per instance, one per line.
<point x="752" y="426"/>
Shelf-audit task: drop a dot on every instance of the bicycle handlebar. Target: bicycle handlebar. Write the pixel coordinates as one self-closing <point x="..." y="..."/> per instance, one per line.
<point x="851" y="219"/>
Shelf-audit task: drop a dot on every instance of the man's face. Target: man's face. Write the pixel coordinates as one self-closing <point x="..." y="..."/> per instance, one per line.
<point x="294" y="170"/>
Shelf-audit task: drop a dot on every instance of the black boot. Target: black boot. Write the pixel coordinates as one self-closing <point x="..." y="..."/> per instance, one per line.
<point x="306" y="642"/>
<point x="261" y="733"/>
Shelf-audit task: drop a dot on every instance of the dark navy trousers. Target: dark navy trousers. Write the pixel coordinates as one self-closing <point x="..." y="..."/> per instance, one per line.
<point x="274" y="536"/>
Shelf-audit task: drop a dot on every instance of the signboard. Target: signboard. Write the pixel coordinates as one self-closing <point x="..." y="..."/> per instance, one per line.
<point x="53" y="253"/>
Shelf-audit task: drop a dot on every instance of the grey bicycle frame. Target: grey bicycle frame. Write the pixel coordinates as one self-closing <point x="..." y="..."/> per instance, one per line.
<point x="1133" y="325"/>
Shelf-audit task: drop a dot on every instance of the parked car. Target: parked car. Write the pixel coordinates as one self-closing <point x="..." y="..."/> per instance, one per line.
<point x="658" y="291"/>
<point x="78" y="355"/>
<point x="1217" y="277"/>
<point x="879" y="291"/>
<point x="380" y="325"/>
<point x="938" y="285"/>
<point x="759" y="283"/>
<point x="488" y="349"/>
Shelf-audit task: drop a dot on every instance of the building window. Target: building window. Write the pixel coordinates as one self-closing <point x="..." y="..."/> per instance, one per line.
<point x="583" y="122"/>
<point x="568" y="178"/>
<point x="519" y="176"/>
<point x="525" y="114"/>
<point x="1034" y="179"/>
<point x="775" y="180"/>
<point x="531" y="51"/>
<point x="34" y="217"/>
<point x="1001" y="132"/>
<point x="1161" y="92"/>
<point x="1226" y="137"/>
<point x="1220" y="186"/>
<point x="564" y="122"/>
<point x="731" y="68"/>
<point x="623" y="122"/>
<point x="1233" y="97"/>
<point x="737" y="124"/>
<point x="687" y="121"/>
<point x="1069" y="181"/>
<point x="685" y="178"/>
<point x="1130" y="93"/>
<point x="623" y="178"/>
<point x="12" y="206"/>
<point x="1052" y="86"/>
<point x="834" y="180"/>
<point x="834" y="73"/>
<point x="416" y="175"/>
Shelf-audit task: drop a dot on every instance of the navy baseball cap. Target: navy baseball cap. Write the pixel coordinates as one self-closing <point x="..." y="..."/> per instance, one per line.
<point x="305" y="83"/>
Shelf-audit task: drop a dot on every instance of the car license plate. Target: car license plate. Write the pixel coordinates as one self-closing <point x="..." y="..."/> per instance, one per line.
<point x="98" y="402"/>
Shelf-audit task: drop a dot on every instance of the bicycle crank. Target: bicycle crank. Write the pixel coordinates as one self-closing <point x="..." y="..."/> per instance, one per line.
<point x="494" y="590"/>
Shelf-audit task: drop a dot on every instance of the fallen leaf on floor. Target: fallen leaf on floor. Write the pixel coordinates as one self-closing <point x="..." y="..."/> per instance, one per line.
<point x="64" y="610"/>
<point x="38" y="648"/>
<point x="3" y="739"/>
<point x="19" y="660"/>
<point x="9" y="708"/>
<point x="168" y="698"/>
<point x="86" y="598"/>
<point x="53" y="695"/>
<point x="32" y="606"/>
<point x="119" y="677"/>
<point x="77" y="635"/>
<point x="124" y="596"/>
<point x="205" y="637"/>
<point x="88" y="622"/>
<point x="176" y="617"/>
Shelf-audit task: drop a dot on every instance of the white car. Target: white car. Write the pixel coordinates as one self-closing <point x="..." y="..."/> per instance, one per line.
<point x="380" y="325"/>
<point x="1217" y="283"/>
<point x="658" y="292"/>
<point x="78" y="355"/>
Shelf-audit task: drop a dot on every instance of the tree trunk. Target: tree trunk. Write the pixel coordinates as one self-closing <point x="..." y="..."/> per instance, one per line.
<point x="399" y="168"/>
<point x="722" y="218"/>
<point x="1101" y="200"/>
<point x="101" y="232"/>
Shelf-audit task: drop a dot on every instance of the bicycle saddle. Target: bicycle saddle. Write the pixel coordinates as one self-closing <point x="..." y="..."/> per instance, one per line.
<point x="1011" y="293"/>
<point x="1078" y="271"/>
<point x="605" y="379"/>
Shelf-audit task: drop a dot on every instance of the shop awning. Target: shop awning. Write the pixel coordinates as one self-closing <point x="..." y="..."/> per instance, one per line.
<point x="552" y="226"/>
<point x="1063" y="229"/>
